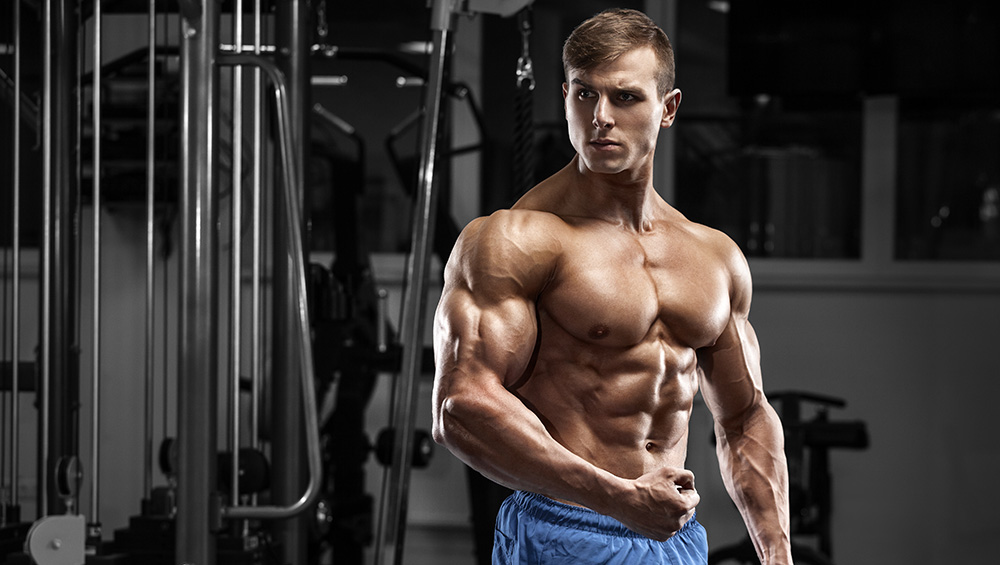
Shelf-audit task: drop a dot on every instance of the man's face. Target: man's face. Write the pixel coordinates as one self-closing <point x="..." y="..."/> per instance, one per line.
<point x="615" y="114"/>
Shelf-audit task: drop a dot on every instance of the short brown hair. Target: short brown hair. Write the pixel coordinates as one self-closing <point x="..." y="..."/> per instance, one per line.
<point x="611" y="34"/>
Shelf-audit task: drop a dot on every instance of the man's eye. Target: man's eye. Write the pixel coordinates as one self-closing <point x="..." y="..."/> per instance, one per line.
<point x="584" y="93"/>
<point x="627" y="97"/>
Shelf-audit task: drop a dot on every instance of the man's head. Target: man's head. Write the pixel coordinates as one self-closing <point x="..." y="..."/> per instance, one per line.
<point x="618" y="92"/>
<point x="612" y="33"/>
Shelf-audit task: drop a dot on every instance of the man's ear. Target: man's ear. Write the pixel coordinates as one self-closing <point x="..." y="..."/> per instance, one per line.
<point x="670" y="104"/>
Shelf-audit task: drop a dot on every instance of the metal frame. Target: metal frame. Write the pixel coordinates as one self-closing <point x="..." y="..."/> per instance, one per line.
<point x="95" y="410"/>
<point x="200" y="510"/>
<point x="197" y="515"/>
<point x="296" y="256"/>
<point x="389" y="540"/>
<point x="196" y="400"/>
<point x="14" y="428"/>
<point x="59" y="395"/>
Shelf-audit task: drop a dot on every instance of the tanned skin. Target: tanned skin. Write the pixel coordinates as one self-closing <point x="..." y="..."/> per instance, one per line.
<point x="575" y="329"/>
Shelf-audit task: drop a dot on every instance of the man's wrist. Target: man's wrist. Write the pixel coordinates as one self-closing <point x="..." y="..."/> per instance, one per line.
<point x="610" y="492"/>
<point x="782" y="556"/>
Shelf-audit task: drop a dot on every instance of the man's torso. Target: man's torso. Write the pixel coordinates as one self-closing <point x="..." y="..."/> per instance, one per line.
<point x="615" y="370"/>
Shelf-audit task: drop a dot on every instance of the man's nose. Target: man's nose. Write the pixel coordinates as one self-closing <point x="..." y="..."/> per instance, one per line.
<point x="603" y="118"/>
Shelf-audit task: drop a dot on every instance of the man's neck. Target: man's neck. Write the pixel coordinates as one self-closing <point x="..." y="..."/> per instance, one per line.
<point x="627" y="198"/>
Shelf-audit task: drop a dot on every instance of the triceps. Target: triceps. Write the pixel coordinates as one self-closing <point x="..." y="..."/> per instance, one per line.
<point x="730" y="374"/>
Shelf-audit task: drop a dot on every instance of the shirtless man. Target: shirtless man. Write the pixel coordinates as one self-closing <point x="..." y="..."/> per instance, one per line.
<point x="575" y="329"/>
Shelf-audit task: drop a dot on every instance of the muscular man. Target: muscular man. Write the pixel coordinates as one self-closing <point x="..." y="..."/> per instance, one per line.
<point x="575" y="329"/>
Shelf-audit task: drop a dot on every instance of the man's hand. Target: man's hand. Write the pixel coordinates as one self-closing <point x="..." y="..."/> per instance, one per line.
<point x="661" y="503"/>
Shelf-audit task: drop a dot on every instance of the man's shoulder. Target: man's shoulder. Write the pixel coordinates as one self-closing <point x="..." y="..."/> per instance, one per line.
<point x="521" y="246"/>
<point x="519" y="227"/>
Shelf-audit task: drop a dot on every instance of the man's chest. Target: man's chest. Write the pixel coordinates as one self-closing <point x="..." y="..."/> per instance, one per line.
<point x="618" y="291"/>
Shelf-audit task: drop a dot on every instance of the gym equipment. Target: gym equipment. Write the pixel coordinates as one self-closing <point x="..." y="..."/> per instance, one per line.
<point x="524" y="127"/>
<point x="16" y="376"/>
<point x="95" y="376"/>
<point x="57" y="540"/>
<point x="423" y="447"/>
<point x="60" y="540"/>
<point x="305" y="357"/>
<point x="208" y="504"/>
<point x="392" y="517"/>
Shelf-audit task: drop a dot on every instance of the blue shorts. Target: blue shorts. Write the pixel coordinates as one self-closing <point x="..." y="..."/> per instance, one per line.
<point x="534" y="529"/>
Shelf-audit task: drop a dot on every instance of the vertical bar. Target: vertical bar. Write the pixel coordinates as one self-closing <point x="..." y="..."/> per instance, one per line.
<point x="4" y="356"/>
<point x="16" y="308"/>
<point x="5" y="414"/>
<point x="197" y="512"/>
<point x="59" y="395"/>
<point x="150" y="247"/>
<point x="237" y="250"/>
<point x="4" y="396"/>
<point x="95" y="445"/>
<point x="62" y="285"/>
<point x="292" y="44"/>
<point x="165" y="285"/>
<point x="392" y="518"/>
<point x="296" y="282"/>
<point x="256" y="322"/>
<point x="44" y="400"/>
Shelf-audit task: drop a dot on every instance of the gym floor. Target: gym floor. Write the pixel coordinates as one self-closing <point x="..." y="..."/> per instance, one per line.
<point x="447" y="545"/>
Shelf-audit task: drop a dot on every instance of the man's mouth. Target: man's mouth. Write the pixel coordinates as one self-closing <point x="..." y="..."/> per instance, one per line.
<point x="604" y="142"/>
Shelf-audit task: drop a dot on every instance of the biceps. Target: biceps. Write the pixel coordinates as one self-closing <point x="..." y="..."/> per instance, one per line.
<point x="731" y="380"/>
<point x="484" y="340"/>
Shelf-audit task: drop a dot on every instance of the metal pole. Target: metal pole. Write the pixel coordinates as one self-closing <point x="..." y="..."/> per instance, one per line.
<point x="291" y="19"/>
<point x="256" y="321"/>
<point x="392" y="519"/>
<point x="150" y="247"/>
<point x="95" y="446"/>
<point x="197" y="511"/>
<point x="299" y="333"/>
<point x="46" y="298"/>
<point x="59" y="397"/>
<point x="5" y="424"/>
<point x="16" y="308"/>
<point x="237" y="264"/>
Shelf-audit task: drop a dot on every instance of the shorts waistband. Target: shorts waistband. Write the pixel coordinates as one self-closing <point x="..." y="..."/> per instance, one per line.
<point x="579" y="517"/>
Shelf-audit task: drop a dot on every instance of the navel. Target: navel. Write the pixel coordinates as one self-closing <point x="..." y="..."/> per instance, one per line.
<point x="600" y="331"/>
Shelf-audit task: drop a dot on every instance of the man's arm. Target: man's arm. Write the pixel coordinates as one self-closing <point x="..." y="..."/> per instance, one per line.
<point x="484" y="337"/>
<point x="485" y="333"/>
<point x="750" y="443"/>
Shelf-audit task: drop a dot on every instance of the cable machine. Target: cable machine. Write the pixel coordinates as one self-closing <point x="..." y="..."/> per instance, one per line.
<point x="212" y="128"/>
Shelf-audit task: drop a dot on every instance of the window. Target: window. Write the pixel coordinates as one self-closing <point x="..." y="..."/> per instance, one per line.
<point x="835" y="154"/>
<point x="948" y="182"/>
<point x="775" y="165"/>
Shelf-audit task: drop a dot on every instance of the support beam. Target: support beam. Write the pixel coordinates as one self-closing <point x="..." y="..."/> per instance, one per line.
<point x="292" y="39"/>
<point x="389" y="542"/>
<point x="197" y="501"/>
<point x="59" y="403"/>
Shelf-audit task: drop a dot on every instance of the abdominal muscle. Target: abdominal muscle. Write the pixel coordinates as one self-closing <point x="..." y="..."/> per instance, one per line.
<point x="625" y="410"/>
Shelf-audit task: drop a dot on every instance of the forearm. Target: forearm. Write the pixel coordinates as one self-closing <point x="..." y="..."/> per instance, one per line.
<point x="497" y="435"/>
<point x="752" y="460"/>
